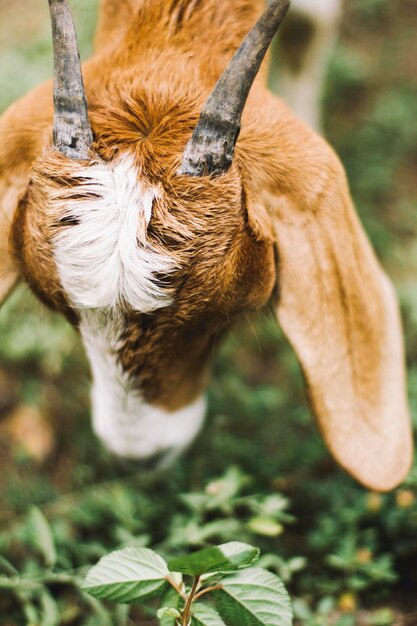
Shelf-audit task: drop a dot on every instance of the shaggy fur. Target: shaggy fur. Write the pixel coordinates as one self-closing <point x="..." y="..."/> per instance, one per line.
<point x="285" y="198"/>
<point x="126" y="424"/>
<point x="104" y="259"/>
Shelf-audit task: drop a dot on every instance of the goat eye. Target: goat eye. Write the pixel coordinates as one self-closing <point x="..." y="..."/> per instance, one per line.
<point x="68" y="220"/>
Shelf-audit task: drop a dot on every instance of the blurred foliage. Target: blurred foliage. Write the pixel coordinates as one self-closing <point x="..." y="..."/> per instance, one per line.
<point x="259" y="471"/>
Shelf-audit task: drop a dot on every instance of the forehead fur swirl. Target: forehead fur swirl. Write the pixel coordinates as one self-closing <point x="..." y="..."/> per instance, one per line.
<point x="103" y="256"/>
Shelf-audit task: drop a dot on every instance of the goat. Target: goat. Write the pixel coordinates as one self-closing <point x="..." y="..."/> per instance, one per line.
<point x="307" y="38"/>
<point x="157" y="214"/>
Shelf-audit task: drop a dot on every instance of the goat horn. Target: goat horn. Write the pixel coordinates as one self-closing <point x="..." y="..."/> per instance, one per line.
<point x="72" y="131"/>
<point x="211" y="147"/>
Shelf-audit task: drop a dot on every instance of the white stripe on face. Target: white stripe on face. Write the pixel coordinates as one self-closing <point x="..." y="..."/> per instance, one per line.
<point x="103" y="258"/>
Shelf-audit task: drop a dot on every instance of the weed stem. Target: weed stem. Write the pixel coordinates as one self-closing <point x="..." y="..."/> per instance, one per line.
<point x="190" y="600"/>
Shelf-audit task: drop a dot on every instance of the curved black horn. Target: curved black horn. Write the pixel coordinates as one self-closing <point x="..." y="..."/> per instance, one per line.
<point x="211" y="147"/>
<point x="72" y="131"/>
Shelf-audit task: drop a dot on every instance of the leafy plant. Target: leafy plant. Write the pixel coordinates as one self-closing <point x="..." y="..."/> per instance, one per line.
<point x="223" y="511"/>
<point x="243" y="595"/>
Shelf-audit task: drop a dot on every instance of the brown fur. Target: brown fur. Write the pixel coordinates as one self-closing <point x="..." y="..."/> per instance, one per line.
<point x="155" y="64"/>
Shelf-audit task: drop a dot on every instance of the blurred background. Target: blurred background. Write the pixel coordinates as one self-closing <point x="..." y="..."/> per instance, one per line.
<point x="259" y="470"/>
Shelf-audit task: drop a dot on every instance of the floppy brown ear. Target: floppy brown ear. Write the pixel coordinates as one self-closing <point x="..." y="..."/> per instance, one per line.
<point x="337" y="308"/>
<point x="22" y="134"/>
<point x="339" y="311"/>
<point x="8" y="273"/>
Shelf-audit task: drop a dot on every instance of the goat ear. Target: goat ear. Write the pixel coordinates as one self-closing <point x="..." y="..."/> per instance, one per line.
<point x="21" y="138"/>
<point x="8" y="271"/>
<point x="259" y="221"/>
<point x="339" y="312"/>
<point x="13" y="182"/>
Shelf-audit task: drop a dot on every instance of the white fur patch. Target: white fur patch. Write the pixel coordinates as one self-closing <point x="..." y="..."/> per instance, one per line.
<point x="105" y="260"/>
<point x="127" y="425"/>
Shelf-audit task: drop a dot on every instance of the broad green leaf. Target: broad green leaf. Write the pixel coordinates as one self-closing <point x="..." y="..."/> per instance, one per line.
<point x="254" y="597"/>
<point x="224" y="558"/>
<point x="127" y="575"/>
<point x="204" y="615"/>
<point x="41" y="534"/>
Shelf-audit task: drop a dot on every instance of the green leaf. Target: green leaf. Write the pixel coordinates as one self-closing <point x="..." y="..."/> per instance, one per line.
<point x="168" y="611"/>
<point x="127" y="575"/>
<point x="173" y="600"/>
<point x="266" y="526"/>
<point x="225" y="488"/>
<point x="50" y="611"/>
<point x="254" y="597"/>
<point x="204" y="615"/>
<point x="30" y="611"/>
<point x="41" y="535"/>
<point x="224" y="558"/>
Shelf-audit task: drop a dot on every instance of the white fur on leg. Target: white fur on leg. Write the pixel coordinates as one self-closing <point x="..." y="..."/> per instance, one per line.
<point x="127" y="425"/>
